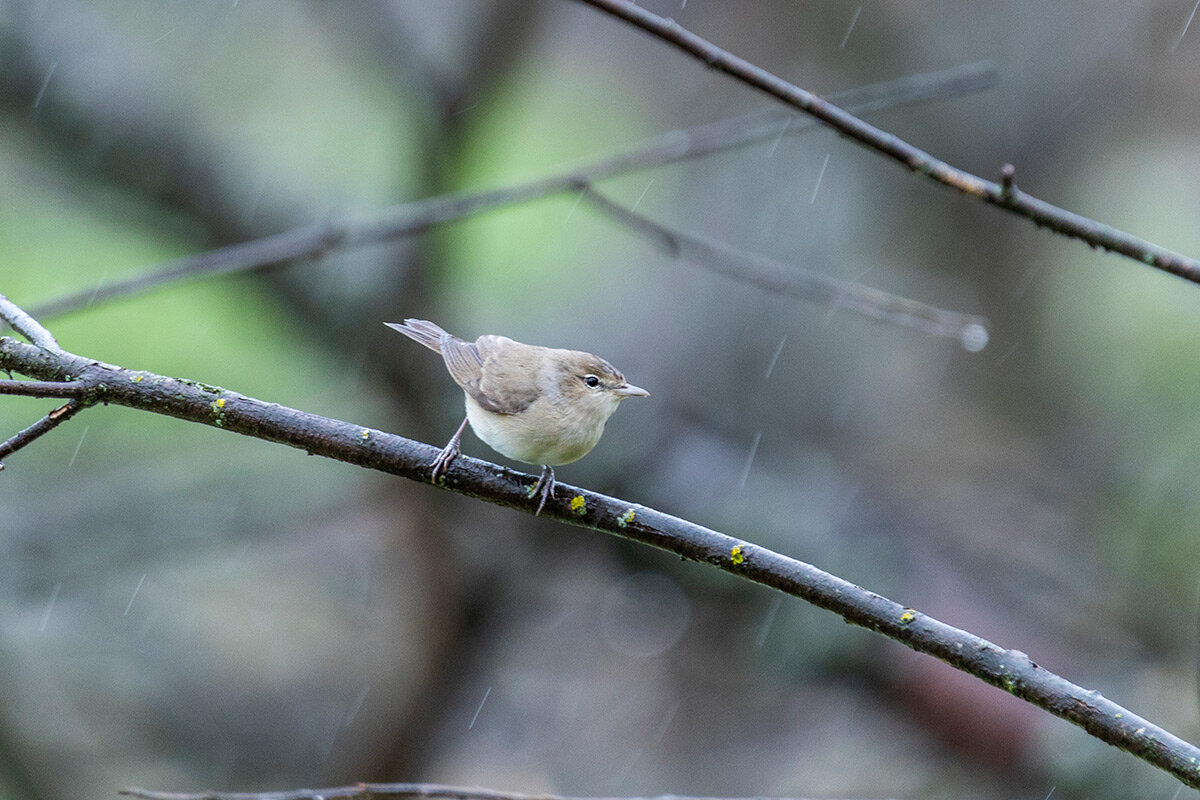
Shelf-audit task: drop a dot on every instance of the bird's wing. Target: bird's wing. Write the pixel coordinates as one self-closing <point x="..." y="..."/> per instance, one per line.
<point x="464" y="362"/>
<point x="507" y="382"/>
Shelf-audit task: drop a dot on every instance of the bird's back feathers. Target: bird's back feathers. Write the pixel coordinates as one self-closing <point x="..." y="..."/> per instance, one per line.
<point x="486" y="368"/>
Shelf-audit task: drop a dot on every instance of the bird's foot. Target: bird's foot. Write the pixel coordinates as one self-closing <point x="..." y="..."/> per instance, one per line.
<point x="448" y="454"/>
<point x="545" y="486"/>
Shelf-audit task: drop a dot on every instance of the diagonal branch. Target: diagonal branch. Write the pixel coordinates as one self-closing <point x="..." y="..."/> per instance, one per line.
<point x="26" y="325"/>
<point x="43" y="426"/>
<point x="390" y="791"/>
<point x="1010" y="670"/>
<point x="1004" y="195"/>
<point x="411" y="218"/>
<point x="776" y="276"/>
<point x="306" y="241"/>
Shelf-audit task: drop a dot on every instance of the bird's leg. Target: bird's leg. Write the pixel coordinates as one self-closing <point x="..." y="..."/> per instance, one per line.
<point x="545" y="485"/>
<point x="449" y="453"/>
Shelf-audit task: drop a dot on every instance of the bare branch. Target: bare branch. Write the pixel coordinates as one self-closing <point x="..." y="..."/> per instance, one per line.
<point x="75" y="389"/>
<point x="411" y="218"/>
<point x="306" y="241"/>
<point x="378" y="791"/>
<point x="47" y="348"/>
<point x="43" y="426"/>
<point x="1010" y="670"/>
<point x="789" y="279"/>
<point x="26" y="325"/>
<point x="1005" y="196"/>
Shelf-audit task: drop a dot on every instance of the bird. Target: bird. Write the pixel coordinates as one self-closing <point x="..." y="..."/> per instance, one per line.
<point x="537" y="405"/>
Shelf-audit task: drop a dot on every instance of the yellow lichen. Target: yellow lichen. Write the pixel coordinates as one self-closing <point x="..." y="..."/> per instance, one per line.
<point x="626" y="518"/>
<point x="218" y="409"/>
<point x="908" y="616"/>
<point x="578" y="504"/>
<point x="736" y="555"/>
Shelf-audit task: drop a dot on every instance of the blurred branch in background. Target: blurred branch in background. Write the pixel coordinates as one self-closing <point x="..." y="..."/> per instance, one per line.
<point x="378" y="791"/>
<point x="314" y="241"/>
<point x="794" y="281"/>
<point x="94" y="382"/>
<point x="1004" y="194"/>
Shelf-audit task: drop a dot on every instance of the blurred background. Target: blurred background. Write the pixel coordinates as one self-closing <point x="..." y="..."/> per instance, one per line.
<point x="182" y="608"/>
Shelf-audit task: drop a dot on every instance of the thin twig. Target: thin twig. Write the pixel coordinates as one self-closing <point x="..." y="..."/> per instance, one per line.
<point x="43" y="426"/>
<point x="411" y="218"/>
<point x="378" y="791"/>
<point x="1040" y="212"/>
<point x="1010" y="670"/>
<point x="26" y="325"/>
<point x="970" y="330"/>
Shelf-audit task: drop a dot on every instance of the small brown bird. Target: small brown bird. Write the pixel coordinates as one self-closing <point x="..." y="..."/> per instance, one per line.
<point x="539" y="405"/>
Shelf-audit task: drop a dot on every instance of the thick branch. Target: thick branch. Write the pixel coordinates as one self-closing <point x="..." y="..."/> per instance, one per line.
<point x="412" y="218"/>
<point x="1010" y="670"/>
<point x="1005" y="195"/>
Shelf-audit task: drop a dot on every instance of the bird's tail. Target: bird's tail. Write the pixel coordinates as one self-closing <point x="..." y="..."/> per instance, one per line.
<point x="422" y="331"/>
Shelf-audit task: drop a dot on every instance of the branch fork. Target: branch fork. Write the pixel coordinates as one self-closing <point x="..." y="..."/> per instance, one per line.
<point x="81" y="391"/>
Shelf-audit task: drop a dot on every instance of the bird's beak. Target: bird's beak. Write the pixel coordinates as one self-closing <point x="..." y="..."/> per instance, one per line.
<point x="627" y="390"/>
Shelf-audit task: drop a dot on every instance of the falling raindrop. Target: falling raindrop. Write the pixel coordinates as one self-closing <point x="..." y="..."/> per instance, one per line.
<point x="136" y="589"/>
<point x="1186" y="25"/>
<point x="665" y="724"/>
<point x="750" y="460"/>
<point x="853" y="22"/>
<point x="768" y="621"/>
<point x="352" y="712"/>
<point x="96" y="291"/>
<point x="480" y="708"/>
<point x="50" y="607"/>
<point x="37" y="101"/>
<point x="820" y="177"/>
<point x="82" y="436"/>
<point x="775" y="357"/>
<point x="574" y="205"/>
<point x="787" y="123"/>
<point x="642" y="195"/>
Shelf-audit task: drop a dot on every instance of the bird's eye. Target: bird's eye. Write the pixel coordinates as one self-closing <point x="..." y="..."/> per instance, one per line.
<point x="591" y="381"/>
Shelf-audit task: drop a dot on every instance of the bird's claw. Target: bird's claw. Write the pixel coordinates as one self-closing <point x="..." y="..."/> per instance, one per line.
<point x="544" y="485"/>
<point x="448" y="454"/>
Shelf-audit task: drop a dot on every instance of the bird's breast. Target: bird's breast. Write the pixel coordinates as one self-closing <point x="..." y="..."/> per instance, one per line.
<point x="544" y="433"/>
